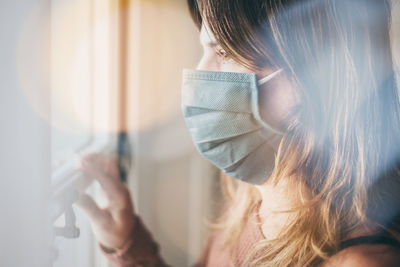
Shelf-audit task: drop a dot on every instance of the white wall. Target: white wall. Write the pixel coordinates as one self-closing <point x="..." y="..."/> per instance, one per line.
<point x="24" y="142"/>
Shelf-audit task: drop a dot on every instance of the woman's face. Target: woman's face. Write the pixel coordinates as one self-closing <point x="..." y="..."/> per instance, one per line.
<point x="277" y="97"/>
<point x="214" y="57"/>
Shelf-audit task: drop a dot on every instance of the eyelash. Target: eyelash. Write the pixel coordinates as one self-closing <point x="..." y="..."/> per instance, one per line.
<point x="222" y="54"/>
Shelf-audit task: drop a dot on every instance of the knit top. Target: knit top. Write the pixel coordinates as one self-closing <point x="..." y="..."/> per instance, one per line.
<point x="142" y="250"/>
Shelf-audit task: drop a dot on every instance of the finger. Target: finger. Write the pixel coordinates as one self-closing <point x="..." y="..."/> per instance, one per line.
<point x="114" y="189"/>
<point x="92" y="157"/>
<point x="106" y="163"/>
<point x="92" y="210"/>
<point x="110" y="165"/>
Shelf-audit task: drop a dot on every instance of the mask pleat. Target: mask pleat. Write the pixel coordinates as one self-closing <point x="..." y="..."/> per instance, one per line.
<point x="258" y="165"/>
<point x="219" y="96"/>
<point x="217" y="125"/>
<point x="228" y="153"/>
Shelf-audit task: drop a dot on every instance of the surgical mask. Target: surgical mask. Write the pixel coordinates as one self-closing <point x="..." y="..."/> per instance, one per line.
<point x="221" y="110"/>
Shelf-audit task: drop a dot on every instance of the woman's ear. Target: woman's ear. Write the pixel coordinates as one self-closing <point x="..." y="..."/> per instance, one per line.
<point x="277" y="98"/>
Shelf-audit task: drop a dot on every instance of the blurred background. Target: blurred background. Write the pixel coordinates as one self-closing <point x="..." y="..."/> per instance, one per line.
<point x="81" y="76"/>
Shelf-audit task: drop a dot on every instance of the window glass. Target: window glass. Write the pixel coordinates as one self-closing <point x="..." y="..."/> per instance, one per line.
<point x="82" y="109"/>
<point x="71" y="78"/>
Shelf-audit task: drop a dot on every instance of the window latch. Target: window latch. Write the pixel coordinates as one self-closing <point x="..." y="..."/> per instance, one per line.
<point x="69" y="230"/>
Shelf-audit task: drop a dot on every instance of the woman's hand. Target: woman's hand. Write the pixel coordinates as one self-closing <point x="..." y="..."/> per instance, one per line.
<point x="113" y="224"/>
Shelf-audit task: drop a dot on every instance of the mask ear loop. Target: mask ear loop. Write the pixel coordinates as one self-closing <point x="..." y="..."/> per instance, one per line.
<point x="254" y="100"/>
<point x="269" y="77"/>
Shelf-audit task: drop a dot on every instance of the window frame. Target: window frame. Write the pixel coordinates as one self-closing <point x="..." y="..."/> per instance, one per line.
<point x="66" y="177"/>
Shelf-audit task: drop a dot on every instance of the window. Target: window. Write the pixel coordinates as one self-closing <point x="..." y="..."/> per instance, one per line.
<point x="129" y="51"/>
<point x="81" y="81"/>
<point x="85" y="91"/>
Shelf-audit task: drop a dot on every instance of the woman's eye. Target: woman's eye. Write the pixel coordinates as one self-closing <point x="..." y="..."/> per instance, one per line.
<point x="222" y="54"/>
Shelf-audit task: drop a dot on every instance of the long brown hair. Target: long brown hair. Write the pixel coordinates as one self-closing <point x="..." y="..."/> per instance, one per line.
<point x="340" y="153"/>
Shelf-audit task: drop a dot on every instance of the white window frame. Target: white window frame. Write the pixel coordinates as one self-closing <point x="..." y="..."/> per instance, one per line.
<point x="66" y="176"/>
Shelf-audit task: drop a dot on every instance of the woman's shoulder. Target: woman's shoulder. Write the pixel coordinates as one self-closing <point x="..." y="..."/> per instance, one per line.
<point x="366" y="255"/>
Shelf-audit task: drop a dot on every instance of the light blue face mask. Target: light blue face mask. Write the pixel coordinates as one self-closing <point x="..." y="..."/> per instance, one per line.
<point x="221" y="110"/>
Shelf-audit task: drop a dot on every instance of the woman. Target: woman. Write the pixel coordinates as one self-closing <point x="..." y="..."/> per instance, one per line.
<point x="297" y="99"/>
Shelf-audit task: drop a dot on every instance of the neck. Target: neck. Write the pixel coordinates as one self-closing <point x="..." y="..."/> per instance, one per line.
<point x="275" y="201"/>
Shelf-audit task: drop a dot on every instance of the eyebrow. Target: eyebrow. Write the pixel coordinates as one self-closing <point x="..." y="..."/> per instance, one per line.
<point x="210" y="44"/>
